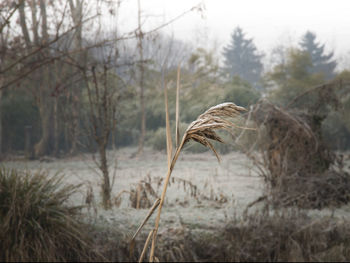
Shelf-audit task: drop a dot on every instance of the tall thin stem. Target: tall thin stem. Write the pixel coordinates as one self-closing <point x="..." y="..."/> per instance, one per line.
<point x="170" y="169"/>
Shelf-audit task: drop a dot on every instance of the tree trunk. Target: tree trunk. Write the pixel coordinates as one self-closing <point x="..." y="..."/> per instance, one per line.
<point x="0" y="120"/>
<point x="45" y="110"/>
<point x="114" y="146"/>
<point x="55" y="127"/>
<point x="23" y="23"/>
<point x="44" y="100"/>
<point x="77" y="15"/>
<point x="66" y="137"/>
<point x="142" y="95"/>
<point x="106" y="186"/>
<point x="143" y="121"/>
<point x="28" y="144"/>
<point x="74" y="123"/>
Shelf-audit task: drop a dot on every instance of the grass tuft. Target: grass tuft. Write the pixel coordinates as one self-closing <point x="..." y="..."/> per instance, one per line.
<point x="36" y="224"/>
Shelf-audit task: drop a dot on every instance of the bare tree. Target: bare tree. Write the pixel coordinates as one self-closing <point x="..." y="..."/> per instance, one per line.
<point x="104" y="93"/>
<point x="76" y="9"/>
<point x="102" y="103"/>
<point x="141" y="82"/>
<point x="104" y="89"/>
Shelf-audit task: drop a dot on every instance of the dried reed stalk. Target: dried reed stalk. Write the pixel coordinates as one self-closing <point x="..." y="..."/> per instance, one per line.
<point x="146" y="244"/>
<point x="155" y="205"/>
<point x="169" y="143"/>
<point x="132" y="241"/>
<point x="177" y="118"/>
<point x="201" y="130"/>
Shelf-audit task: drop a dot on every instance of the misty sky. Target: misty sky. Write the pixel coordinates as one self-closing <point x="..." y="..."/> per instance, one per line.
<point x="269" y="22"/>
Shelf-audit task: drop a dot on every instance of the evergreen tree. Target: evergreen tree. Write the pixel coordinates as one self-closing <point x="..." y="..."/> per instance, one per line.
<point x="321" y="62"/>
<point x="292" y="78"/>
<point x="242" y="58"/>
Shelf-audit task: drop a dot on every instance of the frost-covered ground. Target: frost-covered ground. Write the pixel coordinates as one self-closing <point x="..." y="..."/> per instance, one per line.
<point x="224" y="189"/>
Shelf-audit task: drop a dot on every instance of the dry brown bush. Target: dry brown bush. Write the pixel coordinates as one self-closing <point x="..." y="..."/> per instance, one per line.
<point x="297" y="165"/>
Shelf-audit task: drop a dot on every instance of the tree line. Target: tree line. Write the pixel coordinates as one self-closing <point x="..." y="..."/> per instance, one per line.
<point x="66" y="90"/>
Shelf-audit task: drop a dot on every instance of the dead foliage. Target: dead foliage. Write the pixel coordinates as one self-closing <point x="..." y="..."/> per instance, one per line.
<point x="146" y="191"/>
<point x="289" y="236"/>
<point x="142" y="195"/>
<point x="295" y="161"/>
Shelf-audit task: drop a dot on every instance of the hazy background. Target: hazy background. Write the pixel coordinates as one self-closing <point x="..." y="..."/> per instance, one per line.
<point x="269" y="22"/>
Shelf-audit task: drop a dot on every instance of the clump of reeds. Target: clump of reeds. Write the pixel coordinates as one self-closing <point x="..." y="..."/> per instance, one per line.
<point x="36" y="224"/>
<point x="202" y="130"/>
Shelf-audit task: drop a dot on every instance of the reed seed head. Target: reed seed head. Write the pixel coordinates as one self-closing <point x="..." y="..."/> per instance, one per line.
<point x="202" y="129"/>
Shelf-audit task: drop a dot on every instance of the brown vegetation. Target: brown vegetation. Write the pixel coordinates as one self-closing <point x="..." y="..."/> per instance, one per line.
<point x="36" y="224"/>
<point x="146" y="192"/>
<point x="299" y="168"/>
<point x="259" y="237"/>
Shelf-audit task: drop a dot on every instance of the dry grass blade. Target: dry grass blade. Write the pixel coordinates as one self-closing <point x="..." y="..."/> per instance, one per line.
<point x="177" y="120"/>
<point x="169" y="142"/>
<point x="201" y="130"/>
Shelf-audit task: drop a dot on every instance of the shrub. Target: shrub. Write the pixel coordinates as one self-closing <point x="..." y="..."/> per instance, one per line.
<point x="157" y="139"/>
<point x="36" y="224"/>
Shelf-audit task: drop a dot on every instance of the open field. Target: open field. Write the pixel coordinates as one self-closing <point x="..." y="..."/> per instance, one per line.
<point x="232" y="183"/>
<point x="223" y="189"/>
<point x="210" y="224"/>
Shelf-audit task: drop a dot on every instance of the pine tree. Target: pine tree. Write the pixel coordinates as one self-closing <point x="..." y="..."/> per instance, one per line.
<point x="242" y="58"/>
<point x="321" y="62"/>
